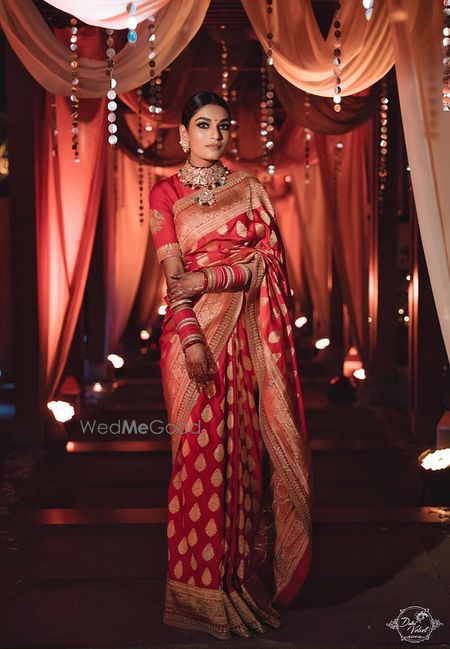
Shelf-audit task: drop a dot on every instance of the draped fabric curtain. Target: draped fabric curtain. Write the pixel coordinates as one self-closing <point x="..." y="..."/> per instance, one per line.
<point x="348" y="220"/>
<point x="417" y="36"/>
<point x="303" y="57"/>
<point x="320" y="115"/>
<point x="68" y="197"/>
<point x="108" y="13"/>
<point x="311" y="207"/>
<point x="47" y="60"/>
<point x="125" y="240"/>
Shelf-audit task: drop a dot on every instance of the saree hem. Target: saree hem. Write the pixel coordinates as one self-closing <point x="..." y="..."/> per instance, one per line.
<point x="285" y="597"/>
<point x="215" y="611"/>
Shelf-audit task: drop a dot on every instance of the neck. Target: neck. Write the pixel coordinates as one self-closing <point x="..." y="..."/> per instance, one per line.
<point x="201" y="166"/>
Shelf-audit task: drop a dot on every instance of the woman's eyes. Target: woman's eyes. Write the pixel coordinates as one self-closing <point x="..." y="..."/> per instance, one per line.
<point x="222" y="126"/>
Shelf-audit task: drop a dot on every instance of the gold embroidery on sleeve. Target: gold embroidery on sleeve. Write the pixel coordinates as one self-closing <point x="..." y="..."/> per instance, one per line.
<point x="156" y="220"/>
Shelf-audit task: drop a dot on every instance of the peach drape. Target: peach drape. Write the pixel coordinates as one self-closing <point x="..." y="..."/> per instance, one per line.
<point x="108" y="13"/>
<point x="68" y="197"/>
<point x="417" y="36"/>
<point x="311" y="207"/>
<point x="348" y="221"/>
<point x="125" y="240"/>
<point x="46" y="58"/>
<point x="303" y="57"/>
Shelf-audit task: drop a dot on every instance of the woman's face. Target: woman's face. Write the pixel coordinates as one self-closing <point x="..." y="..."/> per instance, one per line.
<point x="208" y="134"/>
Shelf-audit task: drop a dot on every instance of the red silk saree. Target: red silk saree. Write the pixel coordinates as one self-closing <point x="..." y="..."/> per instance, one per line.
<point x="239" y="499"/>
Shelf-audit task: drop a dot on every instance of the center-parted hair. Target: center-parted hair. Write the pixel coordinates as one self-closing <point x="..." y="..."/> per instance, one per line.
<point x="197" y="101"/>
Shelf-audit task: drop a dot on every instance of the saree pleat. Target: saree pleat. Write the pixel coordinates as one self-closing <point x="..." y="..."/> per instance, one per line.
<point x="239" y="521"/>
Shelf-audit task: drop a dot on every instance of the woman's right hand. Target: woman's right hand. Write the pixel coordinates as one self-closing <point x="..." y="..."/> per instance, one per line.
<point x="198" y="363"/>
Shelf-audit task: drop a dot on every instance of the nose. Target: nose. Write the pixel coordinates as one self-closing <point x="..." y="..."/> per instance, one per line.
<point x="218" y="135"/>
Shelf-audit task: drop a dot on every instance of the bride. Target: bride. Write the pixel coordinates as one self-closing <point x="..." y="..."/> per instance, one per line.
<point x="239" y="499"/>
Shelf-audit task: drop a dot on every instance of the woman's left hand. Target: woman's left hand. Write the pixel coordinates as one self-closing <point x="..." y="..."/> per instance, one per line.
<point x="185" y="285"/>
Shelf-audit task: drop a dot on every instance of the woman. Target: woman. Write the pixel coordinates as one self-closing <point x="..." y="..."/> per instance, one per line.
<point x="239" y="520"/>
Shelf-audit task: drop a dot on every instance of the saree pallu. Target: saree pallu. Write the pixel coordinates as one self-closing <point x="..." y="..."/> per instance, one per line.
<point x="239" y="521"/>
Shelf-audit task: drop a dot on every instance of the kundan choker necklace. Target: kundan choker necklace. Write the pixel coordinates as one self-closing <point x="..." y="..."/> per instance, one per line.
<point x="204" y="178"/>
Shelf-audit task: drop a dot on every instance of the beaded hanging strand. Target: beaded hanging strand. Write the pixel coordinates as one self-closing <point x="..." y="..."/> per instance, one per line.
<point x="267" y="102"/>
<point x="337" y="54"/>
<point x="132" y="23"/>
<point x="54" y="129"/>
<point x="111" y="94"/>
<point x="224" y="63"/>
<point x="234" y="134"/>
<point x="155" y="99"/>
<point x="446" y="57"/>
<point x="307" y="107"/>
<point x="140" y="152"/>
<point x="74" y="100"/>
<point x="368" y="8"/>
<point x="383" y="145"/>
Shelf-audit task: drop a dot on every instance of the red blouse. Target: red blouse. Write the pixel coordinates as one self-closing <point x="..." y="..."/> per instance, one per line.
<point x="163" y="196"/>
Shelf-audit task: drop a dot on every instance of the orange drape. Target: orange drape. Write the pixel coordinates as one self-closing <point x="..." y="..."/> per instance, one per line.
<point x="303" y="57"/>
<point x="68" y="196"/>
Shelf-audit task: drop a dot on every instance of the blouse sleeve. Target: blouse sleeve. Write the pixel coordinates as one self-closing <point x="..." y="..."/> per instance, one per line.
<point x="162" y="224"/>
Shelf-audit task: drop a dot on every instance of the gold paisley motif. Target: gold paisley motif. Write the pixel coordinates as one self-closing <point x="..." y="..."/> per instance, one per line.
<point x="200" y="463"/>
<point x="219" y="453"/>
<point x="274" y="336"/>
<point x="206" y="577"/>
<point x="182" y="546"/>
<point x="214" y="503"/>
<point x="170" y="529"/>
<point x="203" y="438"/>
<point x="241" y="229"/>
<point x="194" y="513"/>
<point x="197" y="487"/>
<point x="211" y="527"/>
<point x="216" y="478"/>
<point x="208" y="552"/>
<point x="207" y="413"/>
<point x="192" y="537"/>
<point x="174" y="505"/>
<point x="178" y="570"/>
<point x="157" y="220"/>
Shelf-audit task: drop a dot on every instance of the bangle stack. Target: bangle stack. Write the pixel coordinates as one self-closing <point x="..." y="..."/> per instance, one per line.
<point x="186" y="323"/>
<point x="222" y="278"/>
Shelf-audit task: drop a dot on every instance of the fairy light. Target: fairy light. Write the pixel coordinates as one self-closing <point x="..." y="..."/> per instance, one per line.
<point x="74" y="99"/>
<point x="383" y="145"/>
<point x="111" y="94"/>
<point x="337" y="54"/>
<point x="446" y="57"/>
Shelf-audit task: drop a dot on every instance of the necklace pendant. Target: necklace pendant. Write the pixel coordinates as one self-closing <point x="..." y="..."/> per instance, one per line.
<point x="206" y="197"/>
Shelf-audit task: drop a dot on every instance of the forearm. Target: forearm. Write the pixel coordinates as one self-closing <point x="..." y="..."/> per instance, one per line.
<point x="226" y="277"/>
<point x="186" y="323"/>
<point x="184" y="317"/>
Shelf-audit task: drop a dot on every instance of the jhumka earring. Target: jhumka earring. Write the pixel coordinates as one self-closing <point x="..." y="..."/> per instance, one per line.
<point x="185" y="147"/>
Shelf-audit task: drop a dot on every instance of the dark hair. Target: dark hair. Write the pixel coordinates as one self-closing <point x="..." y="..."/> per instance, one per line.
<point x="197" y="101"/>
